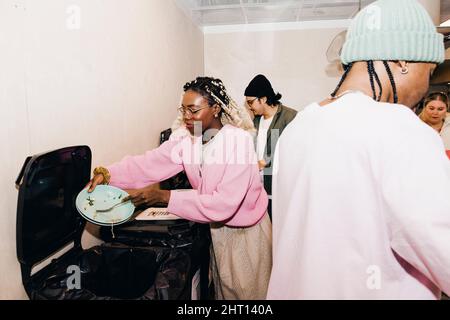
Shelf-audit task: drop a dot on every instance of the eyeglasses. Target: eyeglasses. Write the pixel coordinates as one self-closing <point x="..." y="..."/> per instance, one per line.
<point x="250" y="102"/>
<point x="189" y="111"/>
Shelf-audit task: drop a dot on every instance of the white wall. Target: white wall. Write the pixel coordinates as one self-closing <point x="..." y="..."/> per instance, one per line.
<point x="434" y="9"/>
<point x="112" y="84"/>
<point x="293" y="60"/>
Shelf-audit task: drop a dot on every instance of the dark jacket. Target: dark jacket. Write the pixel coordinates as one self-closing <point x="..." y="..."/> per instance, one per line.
<point x="280" y="121"/>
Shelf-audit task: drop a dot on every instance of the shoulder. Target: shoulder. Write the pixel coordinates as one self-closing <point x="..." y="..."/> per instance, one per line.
<point x="229" y="129"/>
<point x="445" y="132"/>
<point x="179" y="134"/>
<point x="402" y="118"/>
<point x="404" y="132"/>
<point x="289" y="112"/>
<point x="237" y="136"/>
<point x="447" y="120"/>
<point x="399" y="123"/>
<point x="297" y="124"/>
<point x="394" y="120"/>
<point x="310" y="109"/>
<point x="238" y="143"/>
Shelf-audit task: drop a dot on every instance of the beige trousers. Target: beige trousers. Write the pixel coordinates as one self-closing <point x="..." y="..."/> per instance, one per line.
<point x="241" y="260"/>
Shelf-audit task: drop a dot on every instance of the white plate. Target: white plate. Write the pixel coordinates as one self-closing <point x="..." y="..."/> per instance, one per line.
<point x="104" y="197"/>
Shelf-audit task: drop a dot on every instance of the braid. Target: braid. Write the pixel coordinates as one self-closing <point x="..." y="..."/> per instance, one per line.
<point x="379" y="84"/>
<point x="344" y="76"/>
<point x="211" y="89"/>
<point x="374" y="75"/>
<point x="391" y="78"/>
<point x="371" y="76"/>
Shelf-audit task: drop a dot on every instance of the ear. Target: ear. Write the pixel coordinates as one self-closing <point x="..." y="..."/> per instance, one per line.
<point x="216" y="109"/>
<point x="263" y="100"/>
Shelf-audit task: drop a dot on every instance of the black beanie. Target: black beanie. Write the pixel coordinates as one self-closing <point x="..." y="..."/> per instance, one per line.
<point x="260" y="87"/>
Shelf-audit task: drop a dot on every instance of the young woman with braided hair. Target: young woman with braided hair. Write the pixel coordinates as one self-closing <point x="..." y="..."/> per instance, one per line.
<point x="354" y="216"/>
<point x="213" y="146"/>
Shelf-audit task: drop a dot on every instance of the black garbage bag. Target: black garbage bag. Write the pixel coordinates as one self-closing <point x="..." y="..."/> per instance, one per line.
<point x="119" y="272"/>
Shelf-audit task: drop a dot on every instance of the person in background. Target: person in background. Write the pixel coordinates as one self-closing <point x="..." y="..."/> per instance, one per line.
<point x="354" y="215"/>
<point x="436" y="114"/>
<point x="271" y="118"/>
<point x="217" y="153"/>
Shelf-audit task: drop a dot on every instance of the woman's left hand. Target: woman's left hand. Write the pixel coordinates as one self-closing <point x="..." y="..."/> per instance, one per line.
<point x="149" y="196"/>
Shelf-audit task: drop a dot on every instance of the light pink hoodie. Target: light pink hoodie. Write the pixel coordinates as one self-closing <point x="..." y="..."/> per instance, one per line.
<point x="227" y="189"/>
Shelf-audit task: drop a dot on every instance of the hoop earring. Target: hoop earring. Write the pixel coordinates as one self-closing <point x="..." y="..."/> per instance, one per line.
<point x="405" y="70"/>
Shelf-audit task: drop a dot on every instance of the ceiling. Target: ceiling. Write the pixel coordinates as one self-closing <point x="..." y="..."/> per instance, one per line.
<point x="231" y="12"/>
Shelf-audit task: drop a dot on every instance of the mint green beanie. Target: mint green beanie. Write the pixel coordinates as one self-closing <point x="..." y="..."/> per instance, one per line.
<point x="393" y="30"/>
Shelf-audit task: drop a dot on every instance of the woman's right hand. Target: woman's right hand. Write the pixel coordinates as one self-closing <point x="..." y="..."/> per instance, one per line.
<point x="96" y="180"/>
<point x="261" y="165"/>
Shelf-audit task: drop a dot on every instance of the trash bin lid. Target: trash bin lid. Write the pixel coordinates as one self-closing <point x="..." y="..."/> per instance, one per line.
<point x="47" y="219"/>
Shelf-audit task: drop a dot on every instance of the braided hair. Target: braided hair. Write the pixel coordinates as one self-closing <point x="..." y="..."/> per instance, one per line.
<point x="347" y="69"/>
<point x="377" y="79"/>
<point x="391" y="78"/>
<point x="373" y="77"/>
<point x="211" y="89"/>
<point x="214" y="91"/>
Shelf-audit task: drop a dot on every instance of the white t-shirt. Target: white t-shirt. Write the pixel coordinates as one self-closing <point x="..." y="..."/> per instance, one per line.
<point x="261" y="141"/>
<point x="355" y="181"/>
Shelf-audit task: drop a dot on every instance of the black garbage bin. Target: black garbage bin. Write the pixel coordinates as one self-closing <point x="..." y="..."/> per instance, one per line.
<point x="160" y="265"/>
<point x="191" y="238"/>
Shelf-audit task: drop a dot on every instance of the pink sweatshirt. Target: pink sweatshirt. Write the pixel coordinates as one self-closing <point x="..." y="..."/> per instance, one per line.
<point x="226" y="188"/>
